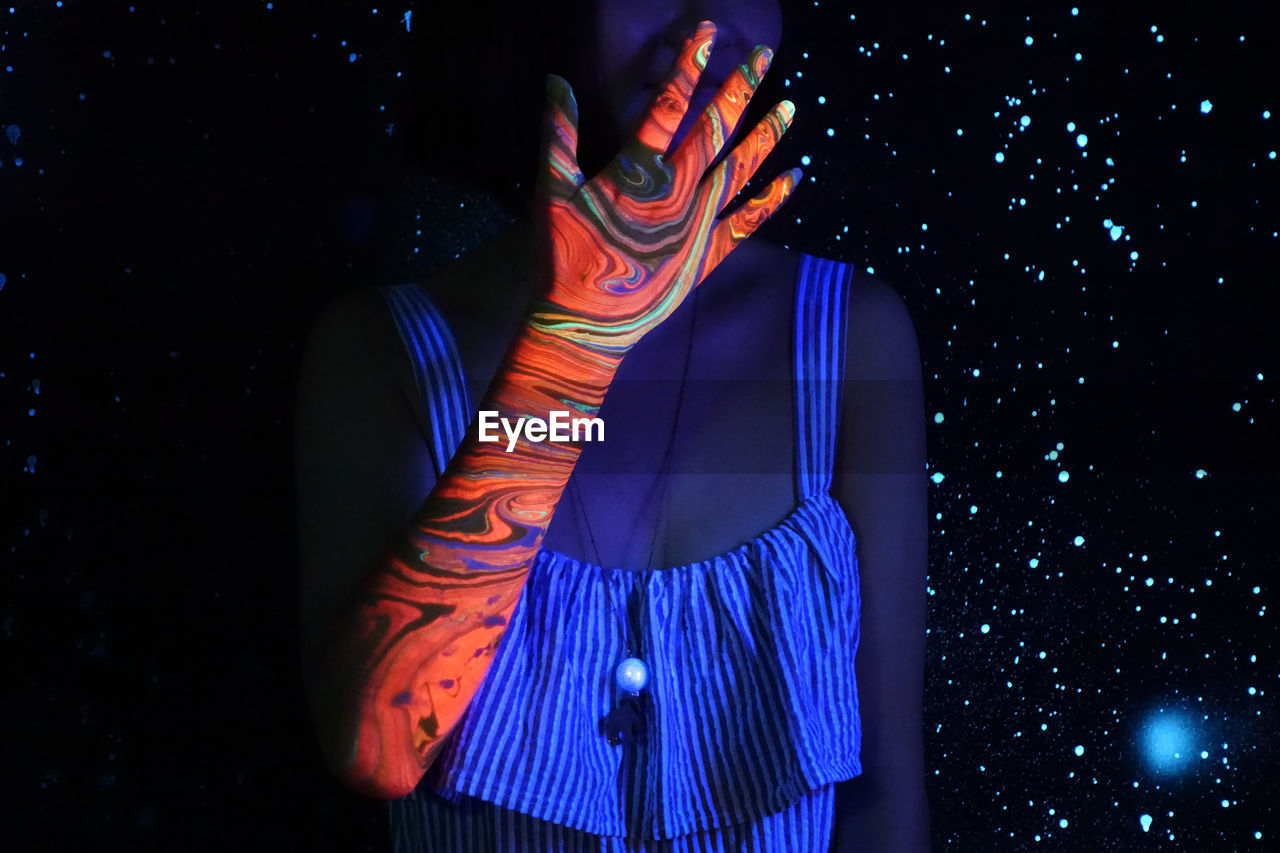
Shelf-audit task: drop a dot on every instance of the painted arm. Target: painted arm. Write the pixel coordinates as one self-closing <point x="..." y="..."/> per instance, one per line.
<point x="617" y="255"/>
<point x="880" y="482"/>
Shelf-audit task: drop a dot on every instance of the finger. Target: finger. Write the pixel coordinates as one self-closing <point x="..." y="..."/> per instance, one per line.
<point x="728" y="233"/>
<point x="558" y="171"/>
<point x="733" y="173"/>
<point x="715" y="126"/>
<point x="668" y="109"/>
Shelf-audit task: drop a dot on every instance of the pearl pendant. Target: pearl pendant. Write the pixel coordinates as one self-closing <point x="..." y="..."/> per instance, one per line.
<point x="632" y="675"/>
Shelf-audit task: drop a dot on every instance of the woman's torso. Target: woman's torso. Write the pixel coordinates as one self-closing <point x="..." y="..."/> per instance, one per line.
<point x="751" y="713"/>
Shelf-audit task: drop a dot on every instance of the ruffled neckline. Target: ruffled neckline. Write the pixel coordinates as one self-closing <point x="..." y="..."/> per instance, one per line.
<point x="786" y="524"/>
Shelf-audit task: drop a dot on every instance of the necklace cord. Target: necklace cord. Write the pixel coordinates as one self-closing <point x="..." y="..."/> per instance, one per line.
<point x="664" y="476"/>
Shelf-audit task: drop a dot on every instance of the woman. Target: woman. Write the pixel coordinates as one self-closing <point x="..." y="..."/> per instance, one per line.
<point x="638" y="695"/>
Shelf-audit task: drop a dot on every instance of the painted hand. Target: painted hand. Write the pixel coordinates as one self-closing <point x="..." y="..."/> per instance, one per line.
<point x="621" y="251"/>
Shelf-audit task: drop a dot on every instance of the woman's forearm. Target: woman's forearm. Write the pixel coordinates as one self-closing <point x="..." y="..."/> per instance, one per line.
<point x="416" y="639"/>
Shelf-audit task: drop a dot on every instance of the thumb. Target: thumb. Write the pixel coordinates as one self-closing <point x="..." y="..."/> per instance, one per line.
<point x="558" y="169"/>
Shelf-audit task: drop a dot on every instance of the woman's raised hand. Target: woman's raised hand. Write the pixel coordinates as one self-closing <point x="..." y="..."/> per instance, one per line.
<point x="621" y="251"/>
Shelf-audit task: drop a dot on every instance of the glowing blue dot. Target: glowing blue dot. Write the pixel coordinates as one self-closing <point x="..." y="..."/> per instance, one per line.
<point x="1074" y="11"/>
<point x="1226" y="803"/>
<point x="1205" y="106"/>
<point x="1063" y="823"/>
<point x="1201" y="473"/>
<point x="1079" y="750"/>
<point x="1071" y="127"/>
<point x="1025" y="121"/>
<point x="1151" y="581"/>
<point x="1079" y="57"/>
<point x="805" y="161"/>
<point x="831" y="131"/>
<point x="1063" y="476"/>
<point x="1082" y="140"/>
<point x="959" y="131"/>
<point x="973" y="510"/>
<point x="986" y="629"/>
<point x="999" y="156"/>
<point x="1145" y="820"/>
<point x="1116" y="232"/>
<point x="1033" y="562"/>
<point x="1029" y="41"/>
<point x="937" y="418"/>
<point x="1253" y="691"/>
<point x="1204" y="753"/>
<point x="1257" y="589"/>
<point x="1133" y="256"/>
<point x="1078" y="541"/>
<point x="1266" y="113"/>
<point x="937" y="478"/>
<point x="1271" y="155"/>
<point x="821" y="99"/>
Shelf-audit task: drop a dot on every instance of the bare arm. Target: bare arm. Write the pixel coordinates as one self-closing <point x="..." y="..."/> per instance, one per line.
<point x="880" y="482"/>
<point x="411" y="645"/>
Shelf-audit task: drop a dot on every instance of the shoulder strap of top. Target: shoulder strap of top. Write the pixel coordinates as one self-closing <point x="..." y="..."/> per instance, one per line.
<point x="437" y="368"/>
<point x="822" y="300"/>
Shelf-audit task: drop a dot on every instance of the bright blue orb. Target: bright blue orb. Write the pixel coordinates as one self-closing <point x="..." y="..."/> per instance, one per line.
<point x="632" y="675"/>
<point x="1168" y="741"/>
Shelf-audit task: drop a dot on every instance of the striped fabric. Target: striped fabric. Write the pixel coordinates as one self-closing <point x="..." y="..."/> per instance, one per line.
<point x="751" y="712"/>
<point x="436" y="366"/>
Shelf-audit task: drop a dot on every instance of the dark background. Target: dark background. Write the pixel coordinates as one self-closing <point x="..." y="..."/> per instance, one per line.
<point x="183" y="186"/>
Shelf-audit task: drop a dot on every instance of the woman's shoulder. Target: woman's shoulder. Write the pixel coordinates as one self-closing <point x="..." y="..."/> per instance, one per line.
<point x="881" y="336"/>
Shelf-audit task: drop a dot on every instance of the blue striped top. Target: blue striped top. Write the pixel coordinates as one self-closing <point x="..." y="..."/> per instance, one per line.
<point x="751" y="713"/>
